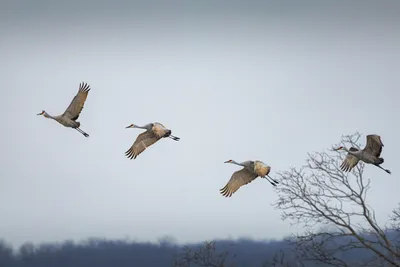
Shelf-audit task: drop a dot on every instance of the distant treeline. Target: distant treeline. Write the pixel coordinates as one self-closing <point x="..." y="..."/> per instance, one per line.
<point x="121" y="253"/>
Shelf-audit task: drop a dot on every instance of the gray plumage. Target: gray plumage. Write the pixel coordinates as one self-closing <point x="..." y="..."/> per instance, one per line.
<point x="71" y="114"/>
<point x="370" y="154"/>
<point x="154" y="132"/>
<point x="251" y="170"/>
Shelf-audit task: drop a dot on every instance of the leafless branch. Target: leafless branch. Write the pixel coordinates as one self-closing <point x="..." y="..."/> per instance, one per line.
<point x="284" y="259"/>
<point x="321" y="194"/>
<point x="206" y="256"/>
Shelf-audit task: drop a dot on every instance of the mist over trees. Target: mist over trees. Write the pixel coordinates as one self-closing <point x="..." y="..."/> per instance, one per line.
<point x="340" y="229"/>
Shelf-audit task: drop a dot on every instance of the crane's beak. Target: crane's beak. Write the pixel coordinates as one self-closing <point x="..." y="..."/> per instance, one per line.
<point x="227" y="161"/>
<point x="41" y="113"/>
<point x="130" y="126"/>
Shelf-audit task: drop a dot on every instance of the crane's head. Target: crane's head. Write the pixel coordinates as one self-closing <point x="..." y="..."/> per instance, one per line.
<point x="228" y="161"/>
<point x="41" y="113"/>
<point x="339" y="148"/>
<point x="130" y="126"/>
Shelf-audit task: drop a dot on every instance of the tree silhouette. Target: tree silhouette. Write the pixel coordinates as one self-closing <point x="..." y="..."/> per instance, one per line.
<point x="206" y="256"/>
<point x="332" y="206"/>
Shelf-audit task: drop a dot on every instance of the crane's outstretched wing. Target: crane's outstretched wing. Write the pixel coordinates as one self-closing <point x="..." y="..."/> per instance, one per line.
<point x="374" y="145"/>
<point x="238" y="179"/>
<point x="143" y="141"/>
<point x="76" y="105"/>
<point x="350" y="161"/>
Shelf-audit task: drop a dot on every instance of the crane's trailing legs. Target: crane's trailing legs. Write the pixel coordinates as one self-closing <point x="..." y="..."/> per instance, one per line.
<point x="168" y="134"/>
<point x="174" y="137"/>
<point x="386" y="170"/>
<point x="82" y="132"/>
<point x="273" y="182"/>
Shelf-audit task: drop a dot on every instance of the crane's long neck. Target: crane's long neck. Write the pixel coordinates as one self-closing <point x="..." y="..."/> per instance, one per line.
<point x="354" y="153"/>
<point x="47" y="115"/>
<point x="345" y="149"/>
<point x="237" y="163"/>
<point x="146" y="127"/>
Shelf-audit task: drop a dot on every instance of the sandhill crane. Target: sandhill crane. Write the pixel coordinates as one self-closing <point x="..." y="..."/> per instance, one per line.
<point x="154" y="132"/>
<point x="370" y="154"/>
<point x="251" y="170"/>
<point x="71" y="114"/>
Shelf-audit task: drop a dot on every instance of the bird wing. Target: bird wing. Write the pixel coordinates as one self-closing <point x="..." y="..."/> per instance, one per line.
<point x="143" y="141"/>
<point x="350" y="161"/>
<point x="238" y="179"/>
<point x="374" y="145"/>
<point x="76" y="105"/>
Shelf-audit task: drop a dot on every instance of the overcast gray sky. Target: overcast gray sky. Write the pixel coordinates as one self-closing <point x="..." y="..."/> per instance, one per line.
<point x="235" y="80"/>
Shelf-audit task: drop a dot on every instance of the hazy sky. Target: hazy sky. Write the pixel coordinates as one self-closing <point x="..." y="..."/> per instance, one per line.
<point x="235" y="80"/>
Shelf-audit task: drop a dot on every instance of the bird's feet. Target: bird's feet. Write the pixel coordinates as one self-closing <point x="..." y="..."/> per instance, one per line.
<point x="388" y="171"/>
<point x="272" y="181"/>
<point x="174" y="138"/>
<point x="85" y="134"/>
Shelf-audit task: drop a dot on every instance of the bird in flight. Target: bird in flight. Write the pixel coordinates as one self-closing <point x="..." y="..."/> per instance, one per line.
<point x="154" y="132"/>
<point x="71" y="114"/>
<point x="251" y="170"/>
<point x="370" y="154"/>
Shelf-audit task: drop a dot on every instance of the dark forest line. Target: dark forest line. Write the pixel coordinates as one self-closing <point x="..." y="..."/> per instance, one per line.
<point x="100" y="252"/>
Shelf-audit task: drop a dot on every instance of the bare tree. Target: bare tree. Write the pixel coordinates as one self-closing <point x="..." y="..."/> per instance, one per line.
<point x="206" y="256"/>
<point x="394" y="226"/>
<point x="284" y="258"/>
<point x="332" y="206"/>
